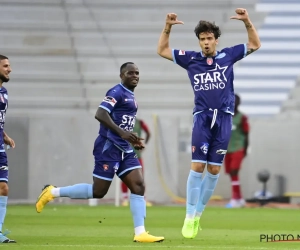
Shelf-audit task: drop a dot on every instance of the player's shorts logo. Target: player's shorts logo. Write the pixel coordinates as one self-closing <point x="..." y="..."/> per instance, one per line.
<point x="221" y="151"/>
<point x="4" y="168"/>
<point x="105" y="167"/>
<point x="204" y="147"/>
<point x="209" y="61"/>
<point x="116" y="167"/>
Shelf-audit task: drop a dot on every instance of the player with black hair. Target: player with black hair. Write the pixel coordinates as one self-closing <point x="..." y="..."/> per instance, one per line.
<point x="5" y="70"/>
<point x="113" y="154"/>
<point x="211" y="76"/>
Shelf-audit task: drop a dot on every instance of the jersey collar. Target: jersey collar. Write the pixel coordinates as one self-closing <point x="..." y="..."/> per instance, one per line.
<point x="218" y="52"/>
<point x="126" y="88"/>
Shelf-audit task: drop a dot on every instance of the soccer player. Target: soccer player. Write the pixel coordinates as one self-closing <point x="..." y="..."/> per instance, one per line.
<point x="139" y="127"/>
<point x="236" y="152"/>
<point x="211" y="76"/>
<point x="113" y="154"/>
<point x="4" y="139"/>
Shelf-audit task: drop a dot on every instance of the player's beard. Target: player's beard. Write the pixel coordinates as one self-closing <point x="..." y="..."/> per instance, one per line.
<point x="3" y="78"/>
<point x="210" y="53"/>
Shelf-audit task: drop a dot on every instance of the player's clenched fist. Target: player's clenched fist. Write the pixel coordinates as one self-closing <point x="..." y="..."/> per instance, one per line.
<point x="242" y="14"/>
<point x="171" y="19"/>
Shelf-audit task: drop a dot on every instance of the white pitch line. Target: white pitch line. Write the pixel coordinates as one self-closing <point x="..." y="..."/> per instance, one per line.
<point x="160" y="245"/>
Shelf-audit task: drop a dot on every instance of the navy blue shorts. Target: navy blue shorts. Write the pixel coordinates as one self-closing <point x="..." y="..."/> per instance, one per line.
<point x="210" y="136"/>
<point x="110" y="160"/>
<point x="3" y="167"/>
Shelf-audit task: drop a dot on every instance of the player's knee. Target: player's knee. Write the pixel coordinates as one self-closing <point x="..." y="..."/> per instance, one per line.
<point x="213" y="169"/>
<point x="99" y="193"/>
<point x="138" y="188"/>
<point x="3" y="189"/>
<point x="198" y="167"/>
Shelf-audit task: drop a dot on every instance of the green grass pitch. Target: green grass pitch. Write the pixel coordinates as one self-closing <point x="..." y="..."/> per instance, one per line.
<point x="69" y="227"/>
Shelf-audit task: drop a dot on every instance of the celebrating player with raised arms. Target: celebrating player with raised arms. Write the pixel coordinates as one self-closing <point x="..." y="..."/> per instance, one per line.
<point x="211" y="76"/>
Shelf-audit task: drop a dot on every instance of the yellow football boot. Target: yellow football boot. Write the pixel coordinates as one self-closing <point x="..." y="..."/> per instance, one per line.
<point x="44" y="198"/>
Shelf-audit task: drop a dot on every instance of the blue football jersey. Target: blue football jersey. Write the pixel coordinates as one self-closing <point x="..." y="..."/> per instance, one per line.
<point x="3" y="108"/>
<point x="122" y="107"/>
<point x="211" y="77"/>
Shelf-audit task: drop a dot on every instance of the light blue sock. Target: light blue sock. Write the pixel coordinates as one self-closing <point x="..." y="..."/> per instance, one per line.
<point x="3" y="203"/>
<point x="138" y="209"/>
<point x="208" y="186"/>
<point x="192" y="193"/>
<point x="77" y="191"/>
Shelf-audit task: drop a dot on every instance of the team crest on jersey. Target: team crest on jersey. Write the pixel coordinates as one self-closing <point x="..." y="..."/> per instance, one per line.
<point x="105" y="167"/>
<point x="181" y="52"/>
<point x="109" y="99"/>
<point x="209" y="61"/>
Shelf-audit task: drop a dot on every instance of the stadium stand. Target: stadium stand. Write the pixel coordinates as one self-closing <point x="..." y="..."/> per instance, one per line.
<point x="65" y="54"/>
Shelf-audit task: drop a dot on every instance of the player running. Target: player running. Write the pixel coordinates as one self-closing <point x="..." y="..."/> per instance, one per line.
<point x="211" y="76"/>
<point x="113" y="154"/>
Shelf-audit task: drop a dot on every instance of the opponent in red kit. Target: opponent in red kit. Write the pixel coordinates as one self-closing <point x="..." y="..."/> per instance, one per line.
<point x="236" y="152"/>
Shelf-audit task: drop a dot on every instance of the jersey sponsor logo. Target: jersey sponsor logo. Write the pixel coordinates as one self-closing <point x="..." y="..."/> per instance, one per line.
<point x="130" y="100"/>
<point x="221" y="55"/>
<point x="211" y="79"/>
<point x="181" y="52"/>
<point x="109" y="99"/>
<point x="128" y="122"/>
<point x="204" y="147"/>
<point x="221" y="151"/>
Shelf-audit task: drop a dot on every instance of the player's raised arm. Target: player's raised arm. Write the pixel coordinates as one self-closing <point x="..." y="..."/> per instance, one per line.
<point x="253" y="38"/>
<point x="163" y="48"/>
